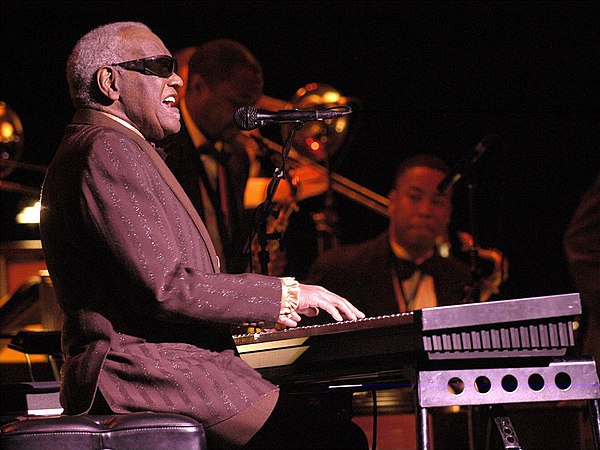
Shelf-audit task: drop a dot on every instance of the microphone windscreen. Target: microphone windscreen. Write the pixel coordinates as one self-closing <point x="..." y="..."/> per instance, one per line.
<point x="245" y="118"/>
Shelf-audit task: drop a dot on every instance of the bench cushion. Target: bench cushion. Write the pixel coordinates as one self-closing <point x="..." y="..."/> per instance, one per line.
<point x="143" y="431"/>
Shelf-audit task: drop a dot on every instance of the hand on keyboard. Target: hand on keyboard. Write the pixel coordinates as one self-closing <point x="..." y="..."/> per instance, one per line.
<point x="313" y="298"/>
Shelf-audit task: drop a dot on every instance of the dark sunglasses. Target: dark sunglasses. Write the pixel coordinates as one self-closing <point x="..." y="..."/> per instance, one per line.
<point x="162" y="66"/>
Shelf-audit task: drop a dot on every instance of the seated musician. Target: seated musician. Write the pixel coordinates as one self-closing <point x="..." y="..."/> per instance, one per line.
<point x="408" y="266"/>
<point x="402" y="269"/>
<point x="147" y="310"/>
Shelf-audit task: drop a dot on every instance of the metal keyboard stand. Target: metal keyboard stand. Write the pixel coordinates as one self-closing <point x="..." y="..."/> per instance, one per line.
<point x="558" y="381"/>
<point x="508" y="435"/>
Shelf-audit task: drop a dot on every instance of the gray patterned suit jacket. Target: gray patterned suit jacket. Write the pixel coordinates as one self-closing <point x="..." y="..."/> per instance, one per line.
<point x="146" y="312"/>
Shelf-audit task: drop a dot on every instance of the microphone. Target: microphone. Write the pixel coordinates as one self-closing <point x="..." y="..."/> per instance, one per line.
<point x="465" y="166"/>
<point x="249" y="118"/>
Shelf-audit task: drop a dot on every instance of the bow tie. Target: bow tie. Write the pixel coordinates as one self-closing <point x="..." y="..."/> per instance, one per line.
<point x="209" y="149"/>
<point x="406" y="268"/>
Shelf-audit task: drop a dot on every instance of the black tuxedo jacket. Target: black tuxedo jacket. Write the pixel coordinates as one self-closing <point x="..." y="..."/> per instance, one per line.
<point x="362" y="273"/>
<point x="184" y="161"/>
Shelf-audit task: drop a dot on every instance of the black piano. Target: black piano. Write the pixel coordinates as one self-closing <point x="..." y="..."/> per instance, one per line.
<point x="508" y="351"/>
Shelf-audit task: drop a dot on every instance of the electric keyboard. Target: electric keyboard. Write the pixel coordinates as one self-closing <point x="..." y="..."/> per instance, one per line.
<point x="391" y="347"/>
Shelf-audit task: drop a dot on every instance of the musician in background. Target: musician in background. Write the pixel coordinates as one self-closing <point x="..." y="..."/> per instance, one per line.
<point x="223" y="170"/>
<point x="401" y="269"/>
<point x="582" y="247"/>
<point x="182" y="56"/>
<point x="208" y="156"/>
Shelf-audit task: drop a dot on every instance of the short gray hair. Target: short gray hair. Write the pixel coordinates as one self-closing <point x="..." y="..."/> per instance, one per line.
<point x="102" y="46"/>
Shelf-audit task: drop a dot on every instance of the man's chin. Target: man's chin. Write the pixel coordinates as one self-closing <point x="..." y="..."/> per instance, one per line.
<point x="421" y="234"/>
<point x="424" y="241"/>
<point x="166" y="131"/>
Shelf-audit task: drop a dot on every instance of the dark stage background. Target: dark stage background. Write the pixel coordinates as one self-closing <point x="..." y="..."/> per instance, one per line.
<point x="430" y="76"/>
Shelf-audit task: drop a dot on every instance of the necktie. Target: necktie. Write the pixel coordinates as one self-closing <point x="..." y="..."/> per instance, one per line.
<point x="211" y="160"/>
<point x="213" y="185"/>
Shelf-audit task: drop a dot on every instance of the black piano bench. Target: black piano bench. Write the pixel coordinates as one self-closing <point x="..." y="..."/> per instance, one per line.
<point x="135" y="431"/>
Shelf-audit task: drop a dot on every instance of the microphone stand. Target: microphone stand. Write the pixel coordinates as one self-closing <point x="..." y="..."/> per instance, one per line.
<point x="473" y="291"/>
<point x="465" y="168"/>
<point x="265" y="209"/>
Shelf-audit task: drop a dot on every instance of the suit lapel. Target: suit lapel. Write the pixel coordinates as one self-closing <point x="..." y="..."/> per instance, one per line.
<point x="183" y="198"/>
<point x="98" y="118"/>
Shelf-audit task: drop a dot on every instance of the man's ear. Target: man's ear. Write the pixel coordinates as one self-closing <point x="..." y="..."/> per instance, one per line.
<point x="108" y="82"/>
<point x="392" y="197"/>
